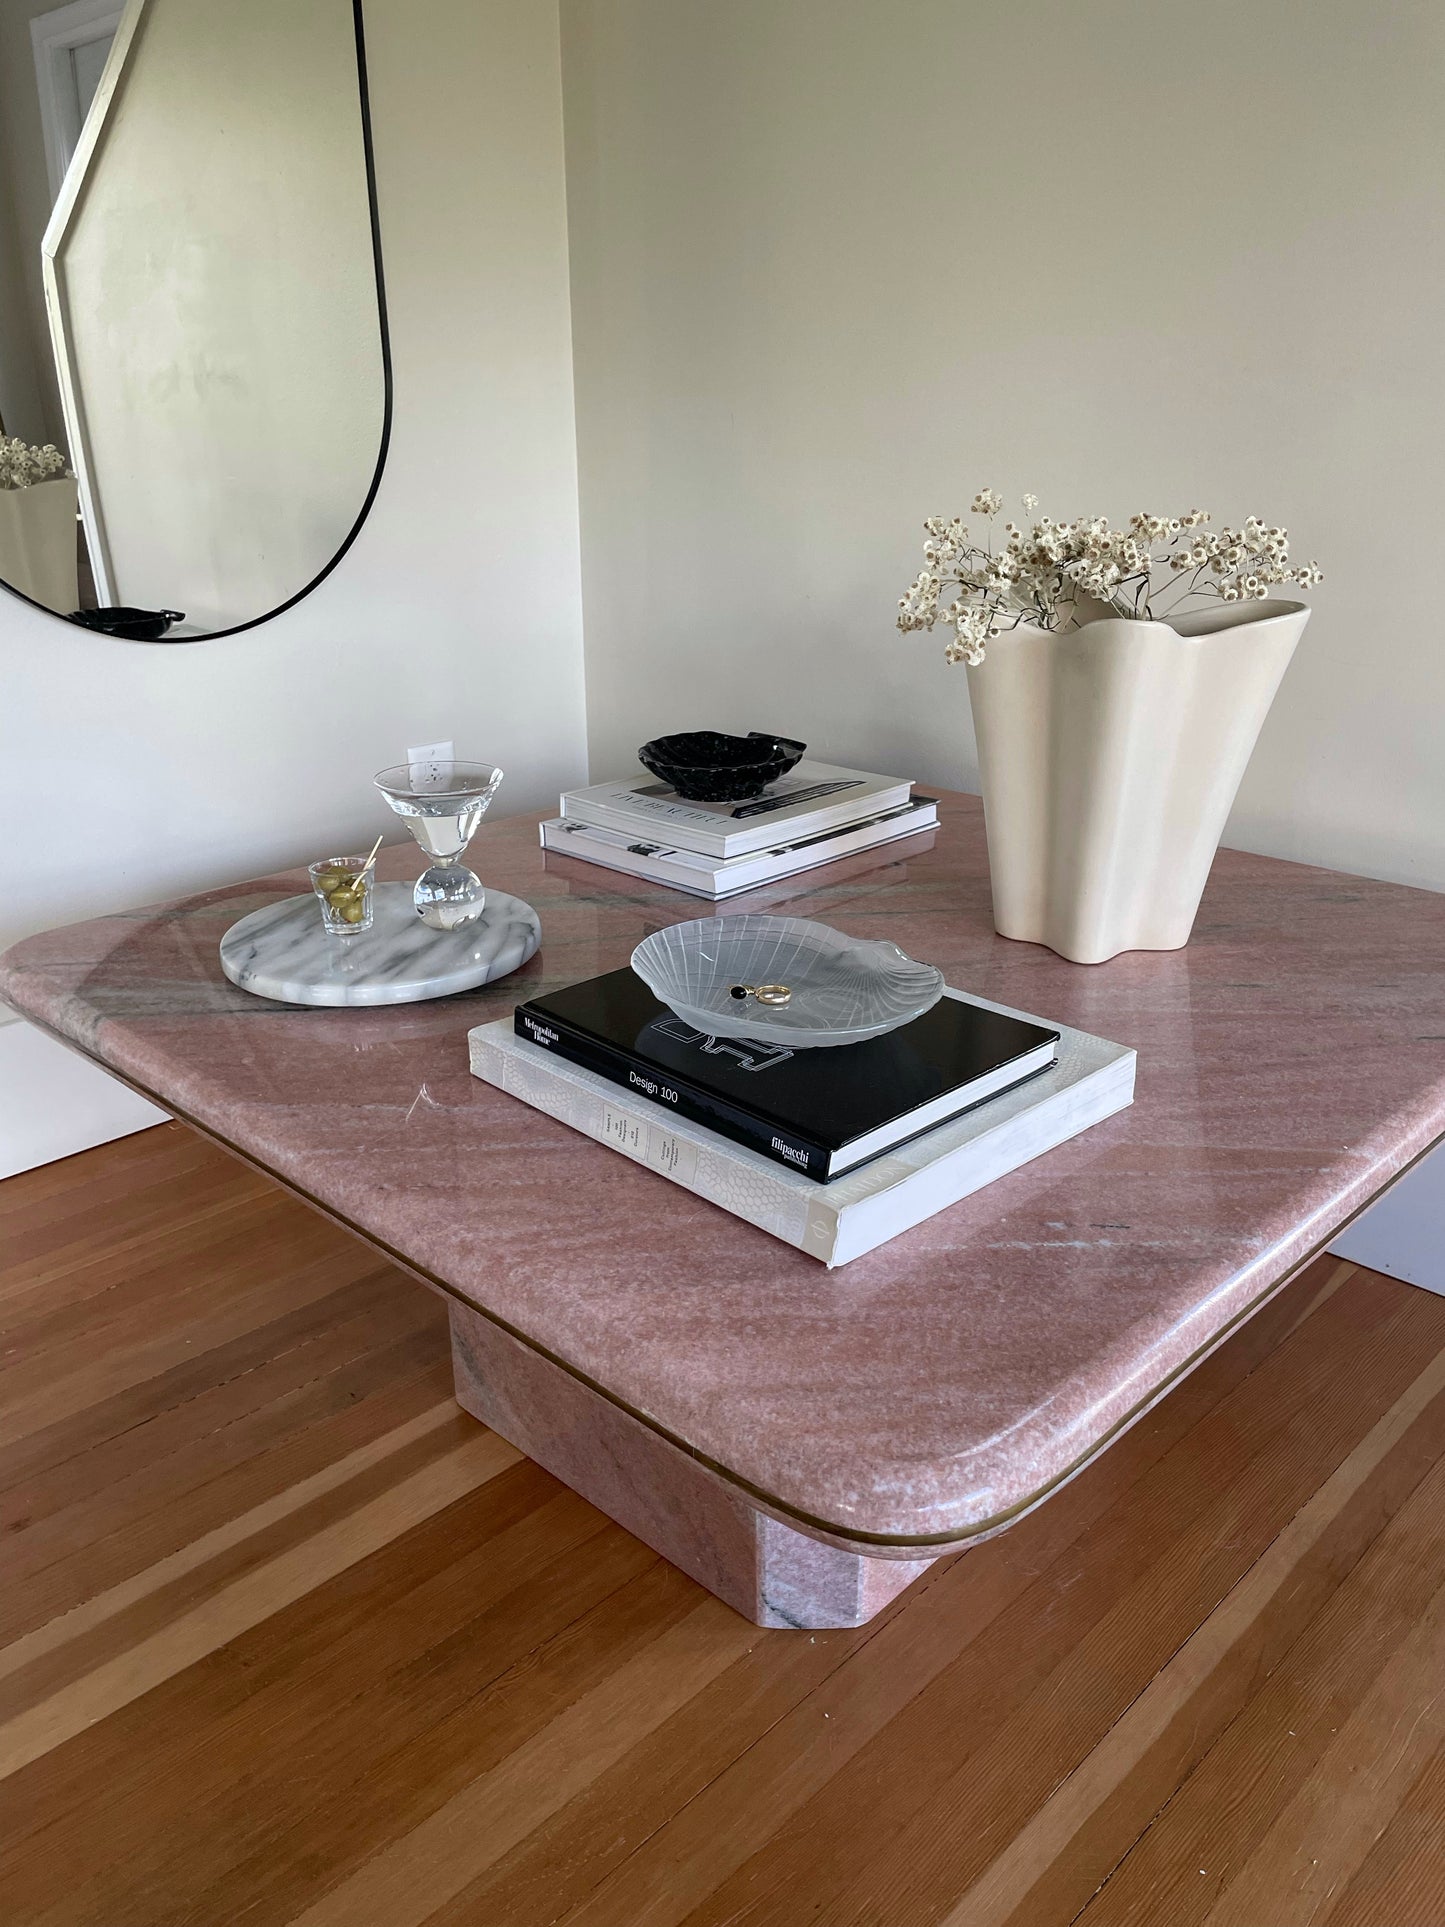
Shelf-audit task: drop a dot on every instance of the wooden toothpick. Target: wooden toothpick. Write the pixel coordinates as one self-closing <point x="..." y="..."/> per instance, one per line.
<point x="356" y="882"/>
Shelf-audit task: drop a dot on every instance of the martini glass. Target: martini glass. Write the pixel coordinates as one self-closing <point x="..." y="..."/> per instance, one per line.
<point x="442" y="804"/>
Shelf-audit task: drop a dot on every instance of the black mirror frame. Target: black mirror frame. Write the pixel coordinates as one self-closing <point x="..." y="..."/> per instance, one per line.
<point x="384" y="332"/>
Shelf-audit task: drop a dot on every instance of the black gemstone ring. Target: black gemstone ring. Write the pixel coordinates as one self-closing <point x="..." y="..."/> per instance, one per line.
<point x="765" y="993"/>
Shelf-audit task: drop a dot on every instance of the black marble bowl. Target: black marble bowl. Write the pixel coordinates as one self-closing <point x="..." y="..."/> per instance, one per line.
<point x="708" y="767"/>
<point x="131" y="625"/>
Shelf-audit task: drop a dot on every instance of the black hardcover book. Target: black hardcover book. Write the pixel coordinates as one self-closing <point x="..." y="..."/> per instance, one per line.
<point x="822" y="1112"/>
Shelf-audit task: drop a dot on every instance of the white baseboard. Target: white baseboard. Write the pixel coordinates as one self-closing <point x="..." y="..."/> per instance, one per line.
<point x="1403" y="1232"/>
<point x="53" y="1103"/>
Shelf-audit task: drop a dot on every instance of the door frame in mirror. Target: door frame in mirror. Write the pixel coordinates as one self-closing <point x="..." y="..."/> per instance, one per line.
<point x="56" y="314"/>
<point x="54" y="36"/>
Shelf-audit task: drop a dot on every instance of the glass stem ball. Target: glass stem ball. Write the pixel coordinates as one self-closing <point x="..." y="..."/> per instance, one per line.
<point x="448" y="896"/>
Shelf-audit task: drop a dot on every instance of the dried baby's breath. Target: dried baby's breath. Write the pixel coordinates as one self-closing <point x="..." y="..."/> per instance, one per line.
<point x="1050" y="573"/>
<point x="21" y="464"/>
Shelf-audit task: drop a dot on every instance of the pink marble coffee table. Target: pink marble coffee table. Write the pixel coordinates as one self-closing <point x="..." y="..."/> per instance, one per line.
<point x="805" y="1441"/>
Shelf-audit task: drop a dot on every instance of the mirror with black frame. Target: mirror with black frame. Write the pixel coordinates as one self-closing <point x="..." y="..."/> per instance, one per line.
<point x="194" y="382"/>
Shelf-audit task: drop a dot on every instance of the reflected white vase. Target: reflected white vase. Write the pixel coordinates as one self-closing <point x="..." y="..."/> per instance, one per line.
<point x="39" y="540"/>
<point x="1109" y="756"/>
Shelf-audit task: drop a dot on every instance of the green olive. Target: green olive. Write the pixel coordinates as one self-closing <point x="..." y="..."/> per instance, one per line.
<point x="329" y="879"/>
<point x="352" y="912"/>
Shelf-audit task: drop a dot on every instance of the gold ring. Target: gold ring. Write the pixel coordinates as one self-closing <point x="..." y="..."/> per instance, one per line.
<point x="773" y="993"/>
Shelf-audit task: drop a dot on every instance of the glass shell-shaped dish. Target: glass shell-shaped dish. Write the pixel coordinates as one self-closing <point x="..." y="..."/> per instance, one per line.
<point x="844" y="990"/>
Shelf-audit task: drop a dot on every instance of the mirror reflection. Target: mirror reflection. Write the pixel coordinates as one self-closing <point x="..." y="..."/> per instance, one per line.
<point x="193" y="381"/>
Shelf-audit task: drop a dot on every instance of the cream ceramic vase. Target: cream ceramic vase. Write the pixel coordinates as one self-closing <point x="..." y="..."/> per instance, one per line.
<point x="1109" y="756"/>
<point x="39" y="542"/>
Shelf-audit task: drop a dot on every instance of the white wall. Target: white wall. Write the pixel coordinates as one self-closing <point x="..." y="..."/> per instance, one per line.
<point x="213" y="261"/>
<point x="54" y="1103"/>
<point x="836" y="264"/>
<point x="456" y="614"/>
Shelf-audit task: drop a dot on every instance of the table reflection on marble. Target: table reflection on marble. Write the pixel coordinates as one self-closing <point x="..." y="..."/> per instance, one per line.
<point x="1291" y="1061"/>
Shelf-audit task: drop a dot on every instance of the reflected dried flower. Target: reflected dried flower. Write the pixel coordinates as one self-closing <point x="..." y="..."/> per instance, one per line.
<point x="22" y="464"/>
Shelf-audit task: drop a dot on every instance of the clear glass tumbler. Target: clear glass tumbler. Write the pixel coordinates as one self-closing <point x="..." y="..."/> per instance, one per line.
<point x="343" y="884"/>
<point x="442" y="804"/>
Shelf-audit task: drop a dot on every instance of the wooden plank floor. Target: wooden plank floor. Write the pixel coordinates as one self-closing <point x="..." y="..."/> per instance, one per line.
<point x="285" y="1638"/>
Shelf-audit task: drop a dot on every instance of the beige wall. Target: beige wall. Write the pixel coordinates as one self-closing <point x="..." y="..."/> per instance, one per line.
<point x="456" y="615"/>
<point x="218" y="289"/>
<point x="31" y="399"/>
<point x="836" y="264"/>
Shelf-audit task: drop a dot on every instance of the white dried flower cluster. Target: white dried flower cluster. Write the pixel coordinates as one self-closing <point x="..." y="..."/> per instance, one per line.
<point x="1051" y="573"/>
<point x="22" y="464"/>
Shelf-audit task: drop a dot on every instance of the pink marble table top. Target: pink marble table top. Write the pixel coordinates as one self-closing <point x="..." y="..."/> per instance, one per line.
<point x="1291" y="1060"/>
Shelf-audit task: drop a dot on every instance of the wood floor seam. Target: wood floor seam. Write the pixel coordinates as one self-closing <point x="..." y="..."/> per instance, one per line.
<point x="736" y="1762"/>
<point x="92" y="1612"/>
<point x="246" y="1600"/>
<point x="284" y="1346"/>
<point x="1267" y="1573"/>
<point x="292" y="1395"/>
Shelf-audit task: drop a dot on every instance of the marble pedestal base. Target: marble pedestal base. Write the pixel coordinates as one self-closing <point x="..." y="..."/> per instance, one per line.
<point x="770" y="1572"/>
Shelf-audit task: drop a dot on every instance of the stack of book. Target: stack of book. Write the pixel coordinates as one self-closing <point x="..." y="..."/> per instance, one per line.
<point x="832" y="1150"/>
<point x="813" y="815"/>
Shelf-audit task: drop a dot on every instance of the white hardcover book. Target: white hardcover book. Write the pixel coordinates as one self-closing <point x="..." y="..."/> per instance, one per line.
<point x="812" y="797"/>
<point x="710" y="877"/>
<point x="1091" y="1080"/>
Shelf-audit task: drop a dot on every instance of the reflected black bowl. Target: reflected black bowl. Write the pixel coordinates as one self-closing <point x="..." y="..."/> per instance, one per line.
<point x="131" y="625"/>
<point x="708" y="767"/>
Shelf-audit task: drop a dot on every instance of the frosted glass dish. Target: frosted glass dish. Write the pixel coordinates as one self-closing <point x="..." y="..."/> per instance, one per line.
<point x="844" y="990"/>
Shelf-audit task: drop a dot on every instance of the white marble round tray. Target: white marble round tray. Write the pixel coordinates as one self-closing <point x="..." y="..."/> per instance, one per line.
<point x="282" y="952"/>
